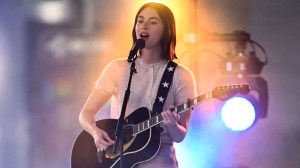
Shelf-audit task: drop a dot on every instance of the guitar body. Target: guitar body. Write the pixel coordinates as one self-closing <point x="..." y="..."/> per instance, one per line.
<point x="137" y="148"/>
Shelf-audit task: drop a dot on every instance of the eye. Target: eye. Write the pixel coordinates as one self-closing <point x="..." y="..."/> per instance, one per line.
<point x="139" y="21"/>
<point x="153" y="22"/>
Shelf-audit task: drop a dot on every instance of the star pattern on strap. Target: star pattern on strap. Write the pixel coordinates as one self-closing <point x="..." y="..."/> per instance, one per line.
<point x="171" y="68"/>
<point x="165" y="84"/>
<point x="161" y="99"/>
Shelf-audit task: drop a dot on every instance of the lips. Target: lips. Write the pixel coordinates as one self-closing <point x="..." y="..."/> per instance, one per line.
<point x="144" y="35"/>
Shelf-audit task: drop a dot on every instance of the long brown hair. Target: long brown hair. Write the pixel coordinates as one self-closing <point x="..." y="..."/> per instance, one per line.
<point x="168" y="40"/>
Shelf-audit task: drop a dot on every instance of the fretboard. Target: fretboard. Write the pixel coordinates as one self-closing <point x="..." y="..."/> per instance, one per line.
<point x="179" y="109"/>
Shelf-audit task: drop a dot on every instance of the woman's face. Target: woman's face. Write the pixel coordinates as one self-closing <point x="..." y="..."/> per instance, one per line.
<point x="149" y="26"/>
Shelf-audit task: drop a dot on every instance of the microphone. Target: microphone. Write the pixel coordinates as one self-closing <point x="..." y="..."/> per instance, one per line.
<point x="139" y="44"/>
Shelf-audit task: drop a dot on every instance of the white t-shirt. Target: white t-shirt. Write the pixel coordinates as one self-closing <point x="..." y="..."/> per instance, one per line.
<point x="144" y="86"/>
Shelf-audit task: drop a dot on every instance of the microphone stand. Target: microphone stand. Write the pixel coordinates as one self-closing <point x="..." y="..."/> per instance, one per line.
<point x="119" y="141"/>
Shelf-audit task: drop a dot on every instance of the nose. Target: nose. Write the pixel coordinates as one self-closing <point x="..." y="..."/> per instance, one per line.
<point x="145" y="25"/>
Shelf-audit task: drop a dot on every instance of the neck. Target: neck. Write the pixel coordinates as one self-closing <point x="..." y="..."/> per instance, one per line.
<point x="151" y="56"/>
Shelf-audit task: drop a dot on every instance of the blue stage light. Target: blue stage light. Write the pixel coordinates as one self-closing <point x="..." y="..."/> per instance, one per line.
<point x="238" y="113"/>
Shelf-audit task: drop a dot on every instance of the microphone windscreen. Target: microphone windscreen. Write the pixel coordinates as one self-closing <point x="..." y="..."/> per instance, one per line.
<point x="140" y="43"/>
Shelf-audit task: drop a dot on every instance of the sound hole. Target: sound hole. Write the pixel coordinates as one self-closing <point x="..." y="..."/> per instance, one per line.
<point x="127" y="133"/>
<point x="128" y="139"/>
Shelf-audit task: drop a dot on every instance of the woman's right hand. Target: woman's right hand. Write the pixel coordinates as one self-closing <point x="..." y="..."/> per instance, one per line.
<point x="101" y="139"/>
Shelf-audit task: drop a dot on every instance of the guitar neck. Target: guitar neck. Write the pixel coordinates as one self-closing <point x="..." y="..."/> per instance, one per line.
<point x="155" y="120"/>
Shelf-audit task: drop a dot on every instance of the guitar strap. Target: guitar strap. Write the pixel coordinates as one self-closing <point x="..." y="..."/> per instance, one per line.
<point x="163" y="90"/>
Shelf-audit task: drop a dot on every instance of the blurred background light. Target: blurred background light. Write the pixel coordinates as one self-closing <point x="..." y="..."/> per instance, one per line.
<point x="52" y="12"/>
<point x="190" y="38"/>
<point x="3" y="53"/>
<point x="155" y="0"/>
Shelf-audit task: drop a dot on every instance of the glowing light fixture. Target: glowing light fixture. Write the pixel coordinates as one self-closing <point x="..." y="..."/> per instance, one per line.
<point x="243" y="66"/>
<point x="238" y="114"/>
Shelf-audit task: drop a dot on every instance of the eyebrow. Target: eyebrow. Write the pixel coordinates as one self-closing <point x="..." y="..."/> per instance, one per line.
<point x="149" y="18"/>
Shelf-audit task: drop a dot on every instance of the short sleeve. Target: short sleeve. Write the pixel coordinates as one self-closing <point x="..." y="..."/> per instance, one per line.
<point x="107" y="79"/>
<point x="185" y="85"/>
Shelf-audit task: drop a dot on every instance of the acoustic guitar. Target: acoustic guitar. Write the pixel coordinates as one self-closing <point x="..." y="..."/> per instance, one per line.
<point x="141" y="140"/>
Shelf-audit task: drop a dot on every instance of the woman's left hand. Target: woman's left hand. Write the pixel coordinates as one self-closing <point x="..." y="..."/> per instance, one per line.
<point x="175" y="124"/>
<point x="170" y="118"/>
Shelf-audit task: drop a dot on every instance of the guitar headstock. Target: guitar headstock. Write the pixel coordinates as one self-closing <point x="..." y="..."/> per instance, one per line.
<point x="225" y="92"/>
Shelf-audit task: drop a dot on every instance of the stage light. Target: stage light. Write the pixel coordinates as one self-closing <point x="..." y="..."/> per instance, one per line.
<point x="238" y="114"/>
<point x="243" y="66"/>
<point x="256" y="101"/>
